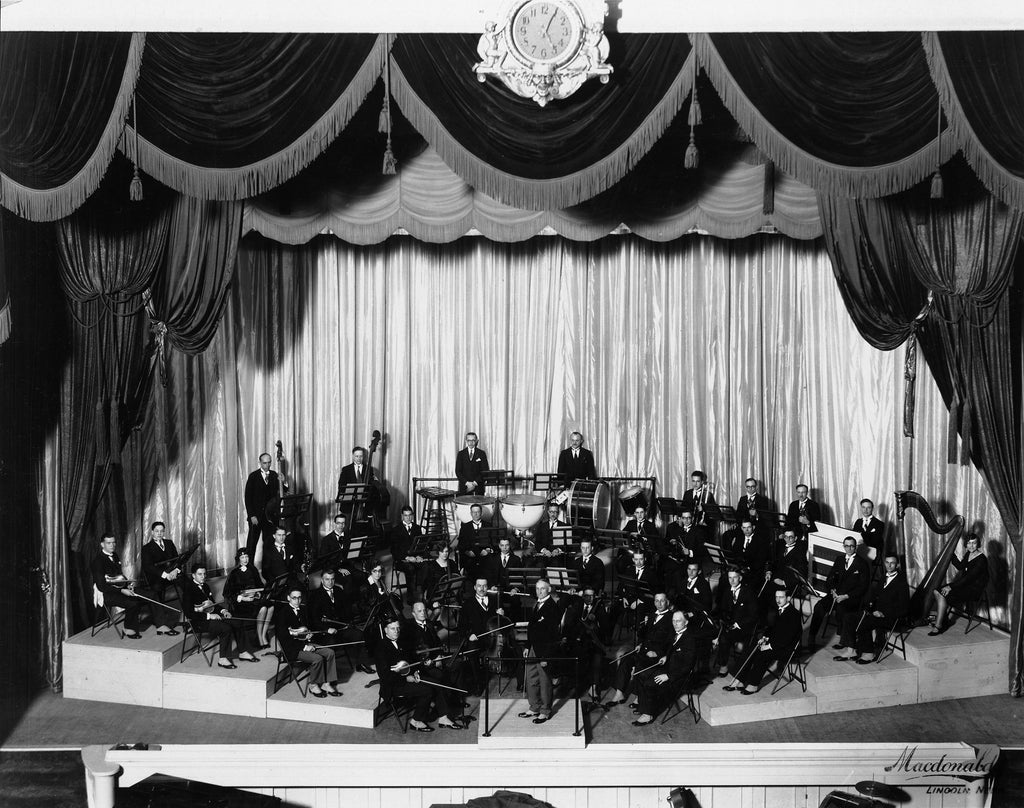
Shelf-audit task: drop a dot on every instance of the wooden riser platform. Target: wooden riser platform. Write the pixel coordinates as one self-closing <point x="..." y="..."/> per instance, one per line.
<point x="719" y="707"/>
<point x="509" y="731"/>
<point x="841" y="685"/>
<point x="954" y="665"/>
<point x="193" y="685"/>
<point x="108" y="668"/>
<point x="354" y="709"/>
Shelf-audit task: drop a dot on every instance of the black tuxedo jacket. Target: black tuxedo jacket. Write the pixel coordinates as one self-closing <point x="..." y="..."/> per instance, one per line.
<point x="785" y="629"/>
<point x="153" y="555"/>
<point x="470" y="540"/>
<point x="473" y="619"/>
<point x="258" y="493"/>
<point x="657" y="632"/>
<point x="413" y="639"/>
<point x="788" y="565"/>
<point x="385" y="656"/>
<point x="542" y="534"/>
<point x="853" y="581"/>
<point x="544" y="628"/>
<point x="759" y="502"/>
<point x="275" y="564"/>
<point x="695" y="595"/>
<point x="348" y="475"/>
<point x="686" y="649"/>
<point x="690" y="503"/>
<point x="741" y="610"/>
<point x="471" y="470"/>
<point x="755" y="556"/>
<point x="647" y="575"/>
<point x="103" y="566"/>
<point x="693" y="539"/>
<point x="402" y="538"/>
<point x="192" y="595"/>
<point x="811" y="510"/>
<point x="648" y="530"/>
<point x="892" y="600"/>
<point x="284" y="619"/>
<point x="497" y="574"/>
<point x="591" y="572"/>
<point x="579" y="468"/>
<point x="873" y="534"/>
<point x="321" y="608"/>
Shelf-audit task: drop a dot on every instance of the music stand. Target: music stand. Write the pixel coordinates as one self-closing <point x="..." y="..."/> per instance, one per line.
<point x="357" y="550"/>
<point x="546" y="481"/>
<point x="615" y="539"/>
<point x="524" y="579"/>
<point x="447" y="588"/>
<point x="497" y="477"/>
<point x="773" y="518"/>
<point x="326" y="561"/>
<point x="633" y="589"/>
<point x="564" y="539"/>
<point x="352" y="496"/>
<point x="722" y="513"/>
<point x="669" y="506"/>
<point x="722" y="558"/>
<point x="563" y="579"/>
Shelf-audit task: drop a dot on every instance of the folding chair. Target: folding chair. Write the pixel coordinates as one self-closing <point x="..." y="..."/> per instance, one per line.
<point x="392" y="705"/>
<point x="794" y="670"/>
<point x="294" y="671"/>
<point x="109" y="615"/>
<point x="684" y="688"/>
<point x="971" y="613"/>
<point x="190" y="632"/>
<point x="895" y="639"/>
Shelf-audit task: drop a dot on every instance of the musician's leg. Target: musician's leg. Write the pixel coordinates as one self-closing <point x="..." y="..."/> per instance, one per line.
<point x="546" y="689"/>
<point x="533" y="687"/>
<point x="330" y="664"/>
<point x="821" y="609"/>
<point x="317" y="665"/>
<point x="263" y="625"/>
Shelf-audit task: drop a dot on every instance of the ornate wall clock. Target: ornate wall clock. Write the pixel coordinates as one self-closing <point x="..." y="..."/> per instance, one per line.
<point x="545" y="49"/>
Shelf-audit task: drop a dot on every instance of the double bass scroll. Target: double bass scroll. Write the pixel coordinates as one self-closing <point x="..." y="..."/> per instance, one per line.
<point x="936" y="575"/>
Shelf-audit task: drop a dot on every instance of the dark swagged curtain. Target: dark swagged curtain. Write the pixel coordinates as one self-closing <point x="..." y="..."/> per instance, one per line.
<point x="176" y="253"/>
<point x="890" y="256"/>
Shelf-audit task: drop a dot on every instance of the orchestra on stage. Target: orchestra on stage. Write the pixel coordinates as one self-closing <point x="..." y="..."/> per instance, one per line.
<point x="535" y="591"/>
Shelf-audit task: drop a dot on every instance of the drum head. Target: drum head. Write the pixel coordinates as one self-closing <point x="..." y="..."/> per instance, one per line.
<point x="467" y="501"/>
<point x="590" y="504"/>
<point x="632" y="497"/>
<point x="522" y="511"/>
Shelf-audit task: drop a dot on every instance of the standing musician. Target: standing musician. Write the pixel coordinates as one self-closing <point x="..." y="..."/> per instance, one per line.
<point x="411" y="566"/>
<point x="803" y="510"/>
<point x="575" y="462"/>
<point x="206" y="616"/>
<point x="358" y="471"/>
<point x="871" y="529"/>
<point x="699" y="496"/>
<point x="656" y="637"/>
<point x="589" y="567"/>
<point x="544" y="533"/>
<point x="888" y="600"/>
<point x="330" y="615"/>
<point x="737" y="609"/>
<point x="292" y="627"/>
<point x="243" y="601"/>
<point x="399" y="678"/>
<point x="846" y="584"/>
<point x="656" y="686"/>
<point x="280" y="559"/>
<point x="114" y="588"/>
<point x="470" y="466"/>
<point x="159" y="575"/>
<point x="752" y="501"/>
<point x="775" y="646"/>
<point x="543" y="636"/>
<point x="261" y="486"/>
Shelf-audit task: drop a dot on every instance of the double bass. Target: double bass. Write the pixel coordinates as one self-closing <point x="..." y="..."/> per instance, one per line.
<point x="378" y="498"/>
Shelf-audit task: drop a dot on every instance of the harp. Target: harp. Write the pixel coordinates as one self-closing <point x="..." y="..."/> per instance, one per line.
<point x="936" y="574"/>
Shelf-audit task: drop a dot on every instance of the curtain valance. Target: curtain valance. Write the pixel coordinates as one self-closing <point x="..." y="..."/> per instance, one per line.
<point x="532" y="157"/>
<point x="851" y="114"/>
<point x="228" y="116"/>
<point x="980" y="77"/>
<point x="63" y="101"/>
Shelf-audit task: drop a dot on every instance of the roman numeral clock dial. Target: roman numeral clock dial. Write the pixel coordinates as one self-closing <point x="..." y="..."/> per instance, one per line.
<point x="545" y="49"/>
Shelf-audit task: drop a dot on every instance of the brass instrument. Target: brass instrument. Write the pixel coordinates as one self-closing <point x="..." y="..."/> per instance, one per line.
<point x="936" y="575"/>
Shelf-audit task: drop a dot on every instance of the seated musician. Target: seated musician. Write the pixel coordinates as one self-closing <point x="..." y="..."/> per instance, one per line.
<point x="789" y="570"/>
<point x="774" y="646"/>
<point x="655" y="638"/>
<point x="752" y="501"/>
<point x="581" y="640"/>
<point x="243" y="600"/>
<point x="474" y="542"/>
<point x="747" y="547"/>
<point x="498" y="567"/>
<point x="421" y="641"/>
<point x="888" y="599"/>
<point x="374" y="596"/>
<point x="694" y="597"/>
<point x="657" y="685"/>
<point x="440" y="569"/>
<point x="279" y="558"/>
<point x="294" y="632"/>
<point x="206" y="616"/>
<point x="333" y="543"/>
<point x="544" y="533"/>
<point x="643" y="529"/>
<point x="685" y="540"/>
<point x="698" y="496"/>
<point x="399" y="679"/>
<point x="114" y="587"/>
<point x="330" y="615"/>
<point x="160" y="575"/>
<point x="968" y="585"/>
<point x="846" y="586"/>
<point x="737" y="611"/>
<point x="576" y="462"/>
<point x="632" y="579"/>
<point x="589" y="567"/>
<point x="403" y="537"/>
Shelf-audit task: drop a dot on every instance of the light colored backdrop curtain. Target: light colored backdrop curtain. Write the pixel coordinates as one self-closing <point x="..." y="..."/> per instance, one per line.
<point x="736" y="357"/>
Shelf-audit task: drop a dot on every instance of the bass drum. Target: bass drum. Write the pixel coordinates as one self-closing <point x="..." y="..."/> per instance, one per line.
<point x="590" y="504"/>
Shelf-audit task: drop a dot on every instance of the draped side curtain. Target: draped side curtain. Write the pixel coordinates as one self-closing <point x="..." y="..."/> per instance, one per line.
<point x="735" y="357"/>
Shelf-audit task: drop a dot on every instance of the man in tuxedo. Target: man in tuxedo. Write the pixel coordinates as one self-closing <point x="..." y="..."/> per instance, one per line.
<point x="261" y="486"/>
<point x="292" y="628"/>
<point x="280" y="559"/>
<point x="747" y="547"/>
<point x="159" y="575"/>
<point x="110" y="582"/>
<point x="358" y="471"/>
<point x="629" y="598"/>
<point x="543" y="635"/>
<point x="803" y="511"/>
<point x="589" y="567"/>
<point x="543" y="534"/>
<point x="470" y="465"/>
<point x="575" y="462"/>
<point x="737" y="609"/>
<point x="685" y="540"/>
<point x="888" y="599"/>
<point x="752" y="501"/>
<point x="643" y="529"/>
<point x="846" y="585"/>
<point x="410" y="564"/>
<point x="871" y="529"/>
<point x="698" y="496"/>
<point x="330" y="614"/>
<point x="206" y="616"/>
<point x="788" y="571"/>
<point x="655" y="639"/>
<point x="332" y="544"/>
<point x="775" y="645"/>
<point x="694" y="595"/>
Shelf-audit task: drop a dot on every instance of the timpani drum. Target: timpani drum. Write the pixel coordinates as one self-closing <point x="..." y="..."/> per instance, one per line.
<point x="632" y="498"/>
<point x="590" y="504"/>
<point x="522" y="511"/>
<point x="467" y="501"/>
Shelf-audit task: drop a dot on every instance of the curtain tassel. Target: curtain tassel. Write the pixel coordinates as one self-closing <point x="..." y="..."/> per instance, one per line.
<point x="159" y="330"/>
<point x="691" y="159"/>
<point x="135" y="187"/>
<point x="390" y="164"/>
<point x="937" y="189"/>
<point x="909" y="385"/>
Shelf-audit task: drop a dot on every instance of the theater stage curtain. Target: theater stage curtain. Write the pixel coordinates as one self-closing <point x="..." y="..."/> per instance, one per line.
<point x="736" y="357"/>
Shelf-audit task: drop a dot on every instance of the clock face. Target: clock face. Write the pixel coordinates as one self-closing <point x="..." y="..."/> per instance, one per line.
<point x="544" y="31"/>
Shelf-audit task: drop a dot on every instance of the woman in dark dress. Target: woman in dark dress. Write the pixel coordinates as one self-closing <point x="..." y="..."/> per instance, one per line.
<point x="968" y="585"/>
<point x="245" y="603"/>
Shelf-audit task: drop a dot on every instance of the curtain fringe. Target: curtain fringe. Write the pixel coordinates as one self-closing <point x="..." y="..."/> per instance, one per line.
<point x="558" y="192"/>
<point x="824" y="177"/>
<point x="1006" y="187"/>
<point x="204" y="182"/>
<point x="51" y="204"/>
<point x="5" y="321"/>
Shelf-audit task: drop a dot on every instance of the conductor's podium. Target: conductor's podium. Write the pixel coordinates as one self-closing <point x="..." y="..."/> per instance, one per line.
<point x="148" y="672"/>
